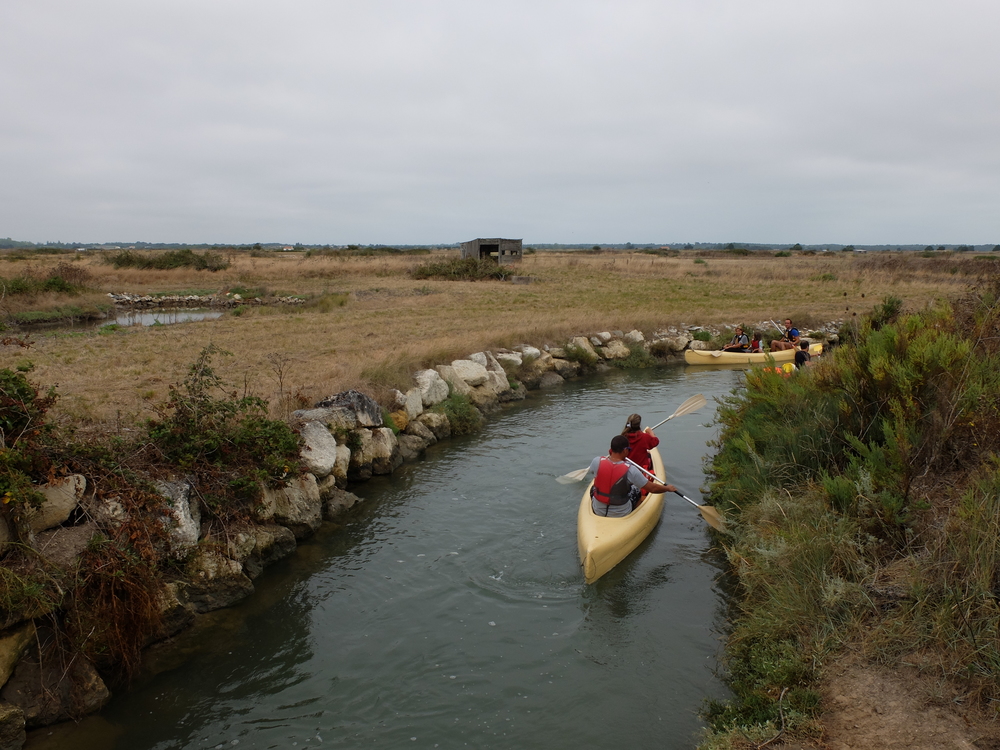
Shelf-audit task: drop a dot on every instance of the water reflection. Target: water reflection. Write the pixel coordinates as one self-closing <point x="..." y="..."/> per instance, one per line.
<point x="167" y="316"/>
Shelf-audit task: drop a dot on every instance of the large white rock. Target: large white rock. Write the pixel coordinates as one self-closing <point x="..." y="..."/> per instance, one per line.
<point x="530" y="352"/>
<point x="471" y="372"/>
<point x="433" y="389"/>
<point x="414" y="404"/>
<point x="61" y="498"/>
<point x="700" y="346"/>
<point x="479" y="358"/>
<point x="297" y="505"/>
<point x="615" y="349"/>
<point x="634" y="337"/>
<point x="510" y="361"/>
<point x="319" y="449"/>
<point x="452" y="378"/>
<point x="184" y="522"/>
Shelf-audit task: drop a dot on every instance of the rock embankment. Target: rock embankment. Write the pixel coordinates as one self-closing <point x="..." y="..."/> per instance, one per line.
<point x="346" y="438"/>
<point x="143" y="301"/>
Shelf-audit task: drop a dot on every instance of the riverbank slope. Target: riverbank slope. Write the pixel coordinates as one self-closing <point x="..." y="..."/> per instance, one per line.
<point x="863" y="503"/>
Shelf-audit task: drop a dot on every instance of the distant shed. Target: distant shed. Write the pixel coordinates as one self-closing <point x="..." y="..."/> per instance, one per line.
<point x="498" y="249"/>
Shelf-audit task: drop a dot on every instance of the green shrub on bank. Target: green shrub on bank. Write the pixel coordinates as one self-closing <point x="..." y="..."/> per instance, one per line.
<point x="827" y="477"/>
<point x="65" y="278"/>
<point x="576" y="353"/>
<point x="185" y="258"/>
<point x="638" y="358"/>
<point x="25" y="443"/>
<point x="463" y="269"/>
<point x="463" y="415"/>
<point x="227" y="441"/>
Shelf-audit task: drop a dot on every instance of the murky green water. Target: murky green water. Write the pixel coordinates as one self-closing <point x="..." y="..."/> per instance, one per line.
<point x="449" y="611"/>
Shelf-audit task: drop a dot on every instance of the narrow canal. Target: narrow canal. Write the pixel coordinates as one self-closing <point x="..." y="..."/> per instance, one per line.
<point x="449" y="610"/>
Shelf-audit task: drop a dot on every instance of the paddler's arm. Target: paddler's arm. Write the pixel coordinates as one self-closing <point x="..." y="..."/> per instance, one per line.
<point x="658" y="489"/>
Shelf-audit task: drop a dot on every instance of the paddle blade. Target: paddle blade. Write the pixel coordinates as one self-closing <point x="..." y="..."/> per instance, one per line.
<point x="712" y="517"/>
<point x="573" y="476"/>
<point x="692" y="404"/>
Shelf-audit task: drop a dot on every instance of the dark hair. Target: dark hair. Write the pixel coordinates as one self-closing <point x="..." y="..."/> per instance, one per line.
<point x="632" y="424"/>
<point x="803" y="345"/>
<point x="619" y="443"/>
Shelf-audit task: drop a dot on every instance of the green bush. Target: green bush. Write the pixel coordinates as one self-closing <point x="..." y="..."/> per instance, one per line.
<point x="639" y="358"/>
<point x="576" y="353"/>
<point x="25" y="447"/>
<point x="184" y="258"/>
<point x="227" y="441"/>
<point x="824" y="478"/>
<point x="463" y="269"/>
<point x="464" y="417"/>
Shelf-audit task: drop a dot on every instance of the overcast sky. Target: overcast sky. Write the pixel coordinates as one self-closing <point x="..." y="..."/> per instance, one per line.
<point x="408" y="122"/>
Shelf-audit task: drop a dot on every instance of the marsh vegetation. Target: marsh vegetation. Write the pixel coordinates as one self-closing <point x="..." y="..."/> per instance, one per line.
<point x="368" y="322"/>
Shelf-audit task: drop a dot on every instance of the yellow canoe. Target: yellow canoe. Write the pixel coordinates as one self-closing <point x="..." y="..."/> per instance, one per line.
<point x="696" y="357"/>
<point x="605" y="542"/>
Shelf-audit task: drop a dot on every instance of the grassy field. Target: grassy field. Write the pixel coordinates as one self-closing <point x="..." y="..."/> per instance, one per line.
<point x="368" y="323"/>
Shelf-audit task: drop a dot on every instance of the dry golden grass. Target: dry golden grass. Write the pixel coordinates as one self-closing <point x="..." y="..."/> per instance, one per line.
<point x="392" y="324"/>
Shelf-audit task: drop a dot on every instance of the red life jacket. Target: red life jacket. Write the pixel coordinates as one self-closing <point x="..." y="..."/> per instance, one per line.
<point x="611" y="485"/>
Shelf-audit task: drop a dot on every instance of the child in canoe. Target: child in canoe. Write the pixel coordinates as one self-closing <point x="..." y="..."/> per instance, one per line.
<point x="640" y="441"/>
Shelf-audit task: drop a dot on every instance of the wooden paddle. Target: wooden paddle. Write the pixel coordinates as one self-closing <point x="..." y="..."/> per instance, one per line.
<point x="710" y="514"/>
<point x="692" y="404"/>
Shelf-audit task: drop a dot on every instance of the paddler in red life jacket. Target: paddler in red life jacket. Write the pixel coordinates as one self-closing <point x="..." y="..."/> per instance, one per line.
<point x="640" y="441"/>
<point x="617" y="485"/>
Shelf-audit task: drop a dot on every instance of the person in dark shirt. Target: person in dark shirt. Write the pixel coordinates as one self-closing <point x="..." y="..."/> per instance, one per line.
<point x="802" y="356"/>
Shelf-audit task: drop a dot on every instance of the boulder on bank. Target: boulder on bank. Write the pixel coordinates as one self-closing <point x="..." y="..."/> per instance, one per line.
<point x="669" y="345"/>
<point x="436" y="423"/>
<point x="566" y="368"/>
<point x="374" y="452"/>
<point x="550" y="380"/>
<point x="411" y="446"/>
<point x="583" y="345"/>
<point x="62" y="496"/>
<point x="433" y="389"/>
<point x="455" y="382"/>
<point x="367" y="411"/>
<point x="336" y="502"/>
<point x="335" y="418"/>
<point x="296" y="505"/>
<point x="418" y="429"/>
<point x="634" y="337"/>
<point x="12" y="646"/>
<point x="12" y="734"/>
<point x="319" y="449"/>
<point x="271" y="543"/>
<point x="184" y="521"/>
<point x="63" y="545"/>
<point x="215" y="581"/>
<point x="52" y="692"/>
<point x="615" y="349"/>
